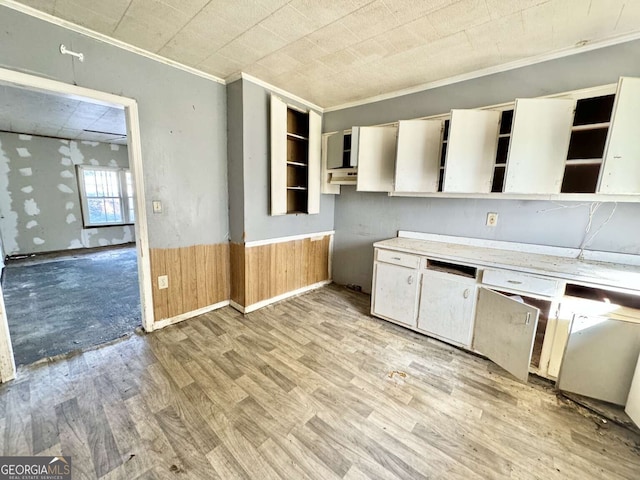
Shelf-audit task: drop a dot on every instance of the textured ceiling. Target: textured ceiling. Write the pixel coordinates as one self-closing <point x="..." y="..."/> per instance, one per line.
<point x="335" y="51"/>
<point x="35" y="113"/>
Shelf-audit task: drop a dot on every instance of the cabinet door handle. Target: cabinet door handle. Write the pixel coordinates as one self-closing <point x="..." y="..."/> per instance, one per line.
<point x="528" y="320"/>
<point x="396" y="258"/>
<point x="515" y="282"/>
<point x="410" y="279"/>
<point x="466" y="292"/>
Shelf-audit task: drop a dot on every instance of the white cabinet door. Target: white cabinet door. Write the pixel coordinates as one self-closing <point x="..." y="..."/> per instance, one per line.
<point x="418" y="155"/>
<point x="471" y="151"/>
<point x="539" y="144"/>
<point x="395" y="293"/>
<point x="600" y="358"/>
<point x="278" y="156"/>
<point x="505" y="331"/>
<point x="446" y="306"/>
<point x="633" y="400"/>
<point x="375" y="151"/>
<point x="621" y="170"/>
<point x="335" y="149"/>
<point x="313" y="182"/>
<point x="329" y="152"/>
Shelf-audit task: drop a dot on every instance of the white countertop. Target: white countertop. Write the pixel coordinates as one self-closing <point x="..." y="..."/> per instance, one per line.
<point x="586" y="272"/>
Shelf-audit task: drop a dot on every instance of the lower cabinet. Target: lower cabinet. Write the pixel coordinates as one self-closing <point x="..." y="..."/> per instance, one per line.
<point x="447" y="306"/>
<point x="395" y="293"/>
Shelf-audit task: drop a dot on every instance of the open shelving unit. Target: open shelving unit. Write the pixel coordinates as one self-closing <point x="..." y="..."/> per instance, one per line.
<point x="297" y="161"/>
<point x="504" y="136"/>
<point x="443" y="152"/>
<point x="587" y="145"/>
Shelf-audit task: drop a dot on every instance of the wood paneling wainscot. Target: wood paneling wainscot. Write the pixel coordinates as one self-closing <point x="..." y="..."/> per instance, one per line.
<point x="264" y="272"/>
<point x="199" y="276"/>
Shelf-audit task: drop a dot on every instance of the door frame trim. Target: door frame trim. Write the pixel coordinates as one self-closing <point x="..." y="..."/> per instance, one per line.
<point x="130" y="106"/>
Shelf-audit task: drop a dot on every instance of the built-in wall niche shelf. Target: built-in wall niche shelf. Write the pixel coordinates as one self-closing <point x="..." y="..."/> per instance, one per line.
<point x="295" y="159"/>
<point x="578" y="145"/>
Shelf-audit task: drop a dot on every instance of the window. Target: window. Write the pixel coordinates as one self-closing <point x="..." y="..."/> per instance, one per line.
<point x="107" y="196"/>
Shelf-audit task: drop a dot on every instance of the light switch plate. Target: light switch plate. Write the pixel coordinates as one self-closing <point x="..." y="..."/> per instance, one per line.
<point x="157" y="206"/>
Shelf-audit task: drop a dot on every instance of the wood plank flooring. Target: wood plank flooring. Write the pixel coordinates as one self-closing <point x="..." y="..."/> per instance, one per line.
<point x="311" y="387"/>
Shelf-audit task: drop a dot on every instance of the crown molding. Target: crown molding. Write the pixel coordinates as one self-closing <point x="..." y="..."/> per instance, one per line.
<point x="274" y="89"/>
<point x="32" y="12"/>
<point x="564" y="52"/>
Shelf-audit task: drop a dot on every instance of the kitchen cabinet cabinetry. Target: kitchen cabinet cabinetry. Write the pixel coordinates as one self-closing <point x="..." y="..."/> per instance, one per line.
<point x="295" y="159"/>
<point x="556" y="147"/>
<point x="539" y="144"/>
<point x="373" y="149"/>
<point x="396" y="287"/>
<point x="447" y="306"/>
<point x="527" y="308"/>
<point x="418" y="155"/>
<point x="471" y="151"/>
<point x="621" y="167"/>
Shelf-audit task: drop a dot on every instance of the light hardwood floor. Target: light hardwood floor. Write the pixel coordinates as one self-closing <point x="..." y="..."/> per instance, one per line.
<point x="312" y="387"/>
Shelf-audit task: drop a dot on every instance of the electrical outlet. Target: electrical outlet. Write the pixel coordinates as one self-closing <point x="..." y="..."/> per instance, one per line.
<point x="157" y="206"/>
<point x="163" y="282"/>
<point x="492" y="219"/>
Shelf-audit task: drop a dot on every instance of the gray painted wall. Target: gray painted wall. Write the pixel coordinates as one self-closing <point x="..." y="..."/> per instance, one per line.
<point x="39" y="198"/>
<point x="363" y="218"/>
<point x="259" y="224"/>
<point x="182" y="122"/>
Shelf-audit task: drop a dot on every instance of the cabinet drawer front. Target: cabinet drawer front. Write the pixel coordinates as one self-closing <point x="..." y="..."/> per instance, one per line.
<point x="522" y="282"/>
<point x="397" y="258"/>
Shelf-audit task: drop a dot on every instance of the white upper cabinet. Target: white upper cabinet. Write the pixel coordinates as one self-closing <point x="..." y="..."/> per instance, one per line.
<point x="471" y="151"/>
<point x="374" y="149"/>
<point x="418" y="155"/>
<point x="335" y="150"/>
<point x="621" y="168"/>
<point x="539" y="144"/>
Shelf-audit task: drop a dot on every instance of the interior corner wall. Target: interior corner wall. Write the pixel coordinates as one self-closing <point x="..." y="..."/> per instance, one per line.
<point x="235" y="161"/>
<point x="40" y="207"/>
<point x="364" y="218"/>
<point x="183" y="134"/>
<point x="259" y="224"/>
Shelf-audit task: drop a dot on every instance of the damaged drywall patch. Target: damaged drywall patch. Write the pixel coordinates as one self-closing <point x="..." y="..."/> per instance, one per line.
<point x="30" y="224"/>
<point x="8" y="218"/>
<point x="31" y="207"/>
<point x="23" y="152"/>
<point x="64" y="189"/>
<point x="27" y="189"/>
<point x="38" y="241"/>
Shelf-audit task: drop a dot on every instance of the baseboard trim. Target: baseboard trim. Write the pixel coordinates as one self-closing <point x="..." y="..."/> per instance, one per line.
<point x="184" y="316"/>
<point x="255" y="306"/>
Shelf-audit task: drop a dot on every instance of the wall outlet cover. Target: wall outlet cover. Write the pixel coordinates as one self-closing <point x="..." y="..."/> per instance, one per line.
<point x="157" y="206"/>
<point x="492" y="219"/>
<point x="163" y="282"/>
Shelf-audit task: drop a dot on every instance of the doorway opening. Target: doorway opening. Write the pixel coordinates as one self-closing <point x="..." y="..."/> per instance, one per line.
<point x="73" y="224"/>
